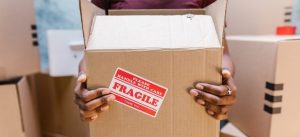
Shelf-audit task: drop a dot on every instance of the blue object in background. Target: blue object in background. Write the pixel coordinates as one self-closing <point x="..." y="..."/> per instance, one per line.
<point x="296" y="14"/>
<point x="55" y="14"/>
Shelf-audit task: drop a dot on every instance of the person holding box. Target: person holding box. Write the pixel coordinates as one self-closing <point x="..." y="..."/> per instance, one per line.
<point x="215" y="98"/>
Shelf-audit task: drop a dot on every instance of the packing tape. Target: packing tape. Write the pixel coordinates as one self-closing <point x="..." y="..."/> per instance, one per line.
<point x="271" y="110"/>
<point x="272" y="98"/>
<point x="274" y="87"/>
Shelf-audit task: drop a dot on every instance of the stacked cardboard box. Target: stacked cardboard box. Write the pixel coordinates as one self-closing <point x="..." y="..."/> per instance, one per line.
<point x="18" y="116"/>
<point x="177" y="64"/>
<point x="18" y="44"/>
<point x="267" y="73"/>
<point x="59" y="115"/>
<point x="19" y="56"/>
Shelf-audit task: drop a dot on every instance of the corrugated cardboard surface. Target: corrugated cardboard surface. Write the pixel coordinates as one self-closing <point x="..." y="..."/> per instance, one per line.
<point x="179" y="115"/>
<point x="58" y="113"/>
<point x="254" y="66"/>
<point x="10" y="116"/>
<point x="29" y="109"/>
<point x="257" y="17"/>
<point x="257" y="63"/>
<point x="287" y="72"/>
<point x="19" y="116"/>
<point x="16" y="41"/>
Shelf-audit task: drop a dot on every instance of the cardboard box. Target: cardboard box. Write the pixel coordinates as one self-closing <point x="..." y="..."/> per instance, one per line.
<point x="18" y="39"/>
<point x="257" y="17"/>
<point x="267" y="78"/>
<point x="175" y="68"/>
<point x="59" y="115"/>
<point x="65" y="51"/>
<point x="18" y="117"/>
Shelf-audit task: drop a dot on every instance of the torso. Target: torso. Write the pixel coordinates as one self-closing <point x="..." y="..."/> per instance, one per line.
<point x="154" y="4"/>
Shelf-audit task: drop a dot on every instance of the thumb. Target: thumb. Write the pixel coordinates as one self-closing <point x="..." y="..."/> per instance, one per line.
<point x="82" y="77"/>
<point x="226" y="74"/>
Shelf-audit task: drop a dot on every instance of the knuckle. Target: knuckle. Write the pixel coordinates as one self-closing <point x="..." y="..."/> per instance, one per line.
<point x="86" y="107"/>
<point x="222" y="91"/>
<point x="208" y="87"/>
<point x="85" y="97"/>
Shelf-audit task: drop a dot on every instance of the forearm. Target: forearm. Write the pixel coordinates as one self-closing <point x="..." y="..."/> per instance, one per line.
<point x="227" y="61"/>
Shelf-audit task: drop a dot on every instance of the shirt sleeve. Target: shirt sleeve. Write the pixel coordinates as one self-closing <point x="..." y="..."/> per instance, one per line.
<point x="100" y="3"/>
<point x="207" y="3"/>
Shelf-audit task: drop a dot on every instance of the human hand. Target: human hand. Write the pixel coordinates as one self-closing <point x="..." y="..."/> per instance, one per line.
<point x="216" y="98"/>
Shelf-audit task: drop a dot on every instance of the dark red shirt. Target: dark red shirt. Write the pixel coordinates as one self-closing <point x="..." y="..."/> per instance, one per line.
<point x="152" y="4"/>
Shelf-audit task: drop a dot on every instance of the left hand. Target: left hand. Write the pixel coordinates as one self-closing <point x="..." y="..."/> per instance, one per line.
<point x="216" y="99"/>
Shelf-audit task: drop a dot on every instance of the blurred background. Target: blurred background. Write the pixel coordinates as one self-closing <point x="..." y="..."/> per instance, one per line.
<point x="41" y="44"/>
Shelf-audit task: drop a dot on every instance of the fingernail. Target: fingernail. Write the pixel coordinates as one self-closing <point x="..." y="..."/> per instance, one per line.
<point x="210" y="112"/>
<point x="106" y="91"/>
<point x="201" y="102"/>
<point x="111" y="98"/>
<point x="226" y="73"/>
<point x="94" y="117"/>
<point x="193" y="92"/>
<point x="104" y="108"/>
<point x="82" y="78"/>
<point x="199" y="86"/>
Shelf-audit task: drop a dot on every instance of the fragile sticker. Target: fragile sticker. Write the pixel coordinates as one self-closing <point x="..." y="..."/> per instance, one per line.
<point x="137" y="92"/>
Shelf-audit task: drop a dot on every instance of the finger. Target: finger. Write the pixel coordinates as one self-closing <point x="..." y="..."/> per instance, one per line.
<point x="90" y="95"/>
<point x="232" y="86"/>
<point x="80" y="92"/>
<point x="87" y="114"/>
<point x="226" y="74"/>
<point x="217" y="116"/>
<point x="201" y="102"/>
<point x="90" y="119"/>
<point x="103" y="108"/>
<point x="98" y="102"/>
<point x="215" y="100"/>
<point x="221" y="116"/>
<point x="217" y="109"/>
<point x="213" y="89"/>
<point x="82" y="77"/>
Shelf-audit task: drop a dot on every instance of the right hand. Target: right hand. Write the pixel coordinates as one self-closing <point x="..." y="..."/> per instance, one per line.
<point x="91" y="102"/>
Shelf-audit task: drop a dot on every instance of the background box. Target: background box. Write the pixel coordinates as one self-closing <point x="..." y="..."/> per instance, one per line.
<point x="18" y="116"/>
<point x="19" y="53"/>
<point x="267" y="75"/>
<point x="59" y="115"/>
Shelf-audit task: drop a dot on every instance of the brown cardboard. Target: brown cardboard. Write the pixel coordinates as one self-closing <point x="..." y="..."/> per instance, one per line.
<point x="257" y="17"/>
<point x="19" y="118"/>
<point x="216" y="10"/>
<point x="10" y="119"/>
<point x="179" y="115"/>
<point x="261" y="59"/>
<point x="19" y="55"/>
<point x="58" y="113"/>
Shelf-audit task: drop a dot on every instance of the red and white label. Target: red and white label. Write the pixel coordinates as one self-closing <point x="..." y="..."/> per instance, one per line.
<point x="136" y="92"/>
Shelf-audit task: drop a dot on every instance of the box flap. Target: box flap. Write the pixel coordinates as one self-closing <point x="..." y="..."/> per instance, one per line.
<point x="217" y="10"/>
<point x="28" y="109"/>
<point x="88" y="10"/>
<point x="10" y="120"/>
<point x="153" y="32"/>
<point x="263" y="38"/>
